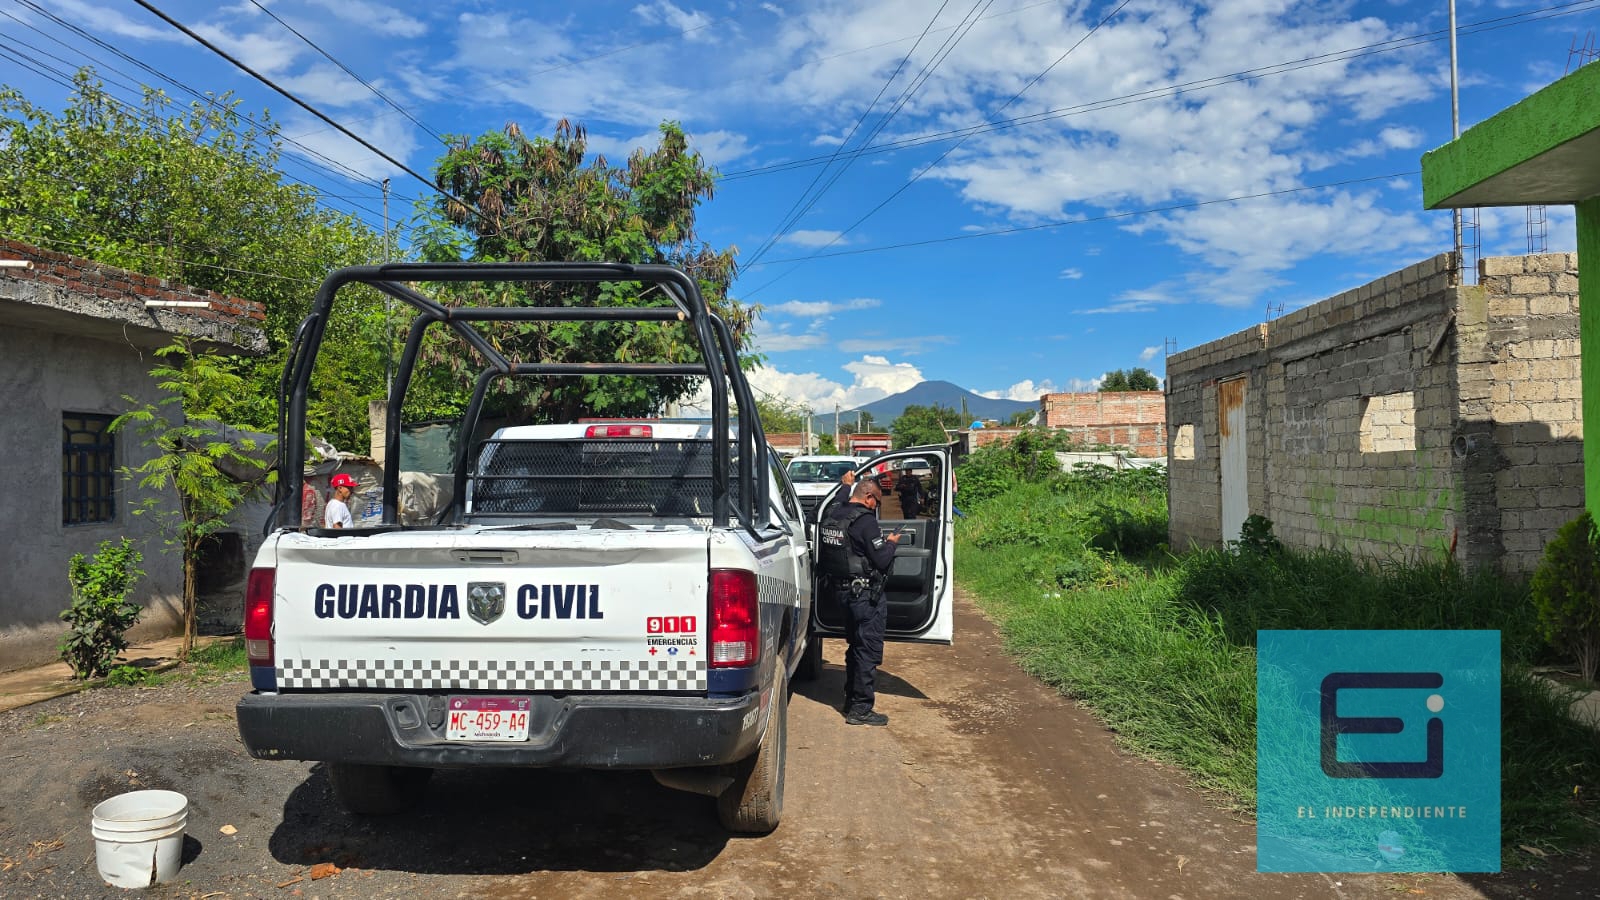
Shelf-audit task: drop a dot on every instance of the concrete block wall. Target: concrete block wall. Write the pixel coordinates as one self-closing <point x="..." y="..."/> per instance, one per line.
<point x="1529" y="359"/>
<point x="1360" y="414"/>
<point x="1194" y="475"/>
<point x="1407" y="415"/>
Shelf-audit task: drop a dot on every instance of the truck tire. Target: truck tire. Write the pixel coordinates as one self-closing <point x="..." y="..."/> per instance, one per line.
<point x="810" y="666"/>
<point x="753" y="804"/>
<point x="377" y="790"/>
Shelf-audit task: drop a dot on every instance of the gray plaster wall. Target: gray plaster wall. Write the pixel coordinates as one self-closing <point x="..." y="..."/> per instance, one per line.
<point x="46" y="374"/>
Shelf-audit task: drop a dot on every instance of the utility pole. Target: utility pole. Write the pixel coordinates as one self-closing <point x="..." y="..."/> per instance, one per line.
<point x="388" y="342"/>
<point x="806" y="446"/>
<point x="1455" y="131"/>
<point x="836" y="427"/>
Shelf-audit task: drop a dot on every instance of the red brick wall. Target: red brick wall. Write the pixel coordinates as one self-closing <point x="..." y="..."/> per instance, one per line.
<point x="119" y="285"/>
<point x="1143" y="440"/>
<point x="1104" y="408"/>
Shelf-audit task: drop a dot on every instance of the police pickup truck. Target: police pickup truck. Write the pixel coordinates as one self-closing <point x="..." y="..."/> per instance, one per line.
<point x="601" y="595"/>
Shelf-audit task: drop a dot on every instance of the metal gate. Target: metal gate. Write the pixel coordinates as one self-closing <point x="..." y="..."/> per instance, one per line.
<point x="1235" y="471"/>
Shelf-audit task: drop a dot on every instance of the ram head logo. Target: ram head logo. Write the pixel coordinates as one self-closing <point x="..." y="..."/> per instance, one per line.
<point x="486" y="601"/>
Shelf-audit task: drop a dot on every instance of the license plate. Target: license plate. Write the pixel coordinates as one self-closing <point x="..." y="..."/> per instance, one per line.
<point x="487" y="719"/>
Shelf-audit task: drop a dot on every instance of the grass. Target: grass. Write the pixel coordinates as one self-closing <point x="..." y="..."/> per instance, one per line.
<point x="1162" y="647"/>
<point x="219" y="659"/>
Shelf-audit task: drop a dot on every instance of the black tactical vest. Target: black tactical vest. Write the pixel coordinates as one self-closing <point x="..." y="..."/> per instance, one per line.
<point x="835" y="555"/>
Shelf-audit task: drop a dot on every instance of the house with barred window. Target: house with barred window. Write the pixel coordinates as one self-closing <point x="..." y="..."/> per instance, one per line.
<point x="77" y="337"/>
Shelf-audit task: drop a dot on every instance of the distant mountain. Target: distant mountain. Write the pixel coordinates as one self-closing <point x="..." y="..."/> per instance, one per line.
<point x="939" y="393"/>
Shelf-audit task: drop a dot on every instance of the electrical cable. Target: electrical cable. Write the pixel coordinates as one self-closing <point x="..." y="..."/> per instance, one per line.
<point x="65" y="79"/>
<point x="348" y="71"/>
<point x="915" y="178"/>
<point x="1172" y="90"/>
<point x="790" y="217"/>
<point x="334" y="165"/>
<point x="922" y="78"/>
<point x="1107" y="217"/>
<point x="151" y="8"/>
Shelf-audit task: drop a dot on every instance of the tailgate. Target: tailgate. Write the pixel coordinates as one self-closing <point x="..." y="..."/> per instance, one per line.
<point x="500" y="611"/>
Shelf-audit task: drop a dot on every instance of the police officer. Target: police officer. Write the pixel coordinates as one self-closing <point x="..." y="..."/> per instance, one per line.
<point x="855" y="557"/>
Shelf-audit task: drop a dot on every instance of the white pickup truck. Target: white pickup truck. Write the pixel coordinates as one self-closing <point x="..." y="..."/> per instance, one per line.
<point x="607" y="594"/>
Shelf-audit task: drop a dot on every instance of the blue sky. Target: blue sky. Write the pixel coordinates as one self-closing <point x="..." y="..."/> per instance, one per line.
<point x="1059" y="239"/>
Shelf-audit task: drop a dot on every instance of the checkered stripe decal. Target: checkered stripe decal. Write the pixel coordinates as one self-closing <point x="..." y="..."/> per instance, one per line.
<point x="496" y="675"/>
<point x="776" y="590"/>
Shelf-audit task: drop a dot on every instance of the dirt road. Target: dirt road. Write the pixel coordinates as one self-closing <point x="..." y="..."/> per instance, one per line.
<point x="985" y="784"/>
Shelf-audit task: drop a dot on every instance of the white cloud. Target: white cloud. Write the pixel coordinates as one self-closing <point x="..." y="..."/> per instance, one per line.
<point x="693" y="25"/>
<point x="326" y="84"/>
<point x="375" y="17"/>
<point x="813" y="238"/>
<point x="871" y="378"/>
<point x="99" y="18"/>
<point x="1071" y="274"/>
<point x="266" y="53"/>
<point x="391" y="133"/>
<point x="783" y="341"/>
<point x="816" y="308"/>
<point x="1149" y="353"/>
<point x="1030" y="390"/>
<point x="909" y="345"/>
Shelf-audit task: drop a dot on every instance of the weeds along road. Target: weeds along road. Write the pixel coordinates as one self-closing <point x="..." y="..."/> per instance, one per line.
<point x="985" y="784"/>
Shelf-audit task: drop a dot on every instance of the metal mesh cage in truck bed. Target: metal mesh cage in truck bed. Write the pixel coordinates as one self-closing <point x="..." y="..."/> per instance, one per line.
<point x="626" y="477"/>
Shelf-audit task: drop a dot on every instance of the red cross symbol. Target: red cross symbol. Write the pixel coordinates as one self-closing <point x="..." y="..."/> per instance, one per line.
<point x="652" y="651"/>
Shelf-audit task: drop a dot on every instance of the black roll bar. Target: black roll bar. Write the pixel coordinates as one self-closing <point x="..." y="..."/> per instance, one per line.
<point x="719" y="366"/>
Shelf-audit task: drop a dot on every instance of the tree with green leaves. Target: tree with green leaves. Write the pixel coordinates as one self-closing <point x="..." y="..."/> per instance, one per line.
<point x="920" y="425"/>
<point x="193" y="457"/>
<point x="782" y="415"/>
<point x="1136" y="379"/>
<point x="826" y="446"/>
<point x="194" y="195"/>
<point x="1021" y="418"/>
<point x="509" y="197"/>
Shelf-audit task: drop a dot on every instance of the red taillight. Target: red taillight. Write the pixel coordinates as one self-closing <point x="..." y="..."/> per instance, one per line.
<point x="258" y="616"/>
<point x="735" y="618"/>
<point x="617" y="431"/>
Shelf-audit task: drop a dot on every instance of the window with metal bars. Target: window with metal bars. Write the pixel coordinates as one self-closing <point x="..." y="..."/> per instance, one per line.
<point x="88" y="469"/>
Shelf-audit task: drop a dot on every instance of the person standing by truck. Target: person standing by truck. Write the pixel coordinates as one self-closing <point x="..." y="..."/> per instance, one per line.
<point x="337" y="515"/>
<point x="855" y="556"/>
<point x="909" y="488"/>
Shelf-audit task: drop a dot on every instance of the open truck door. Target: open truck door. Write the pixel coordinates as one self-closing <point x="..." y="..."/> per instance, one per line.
<point x="920" y="586"/>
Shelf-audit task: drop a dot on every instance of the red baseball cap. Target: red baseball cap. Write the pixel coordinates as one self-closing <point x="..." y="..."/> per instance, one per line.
<point x="343" y="480"/>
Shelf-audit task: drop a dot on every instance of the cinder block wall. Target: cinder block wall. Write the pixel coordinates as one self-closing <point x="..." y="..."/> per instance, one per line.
<point x="1526" y="354"/>
<point x="1360" y="410"/>
<point x="1194" y="469"/>
<point x="1407" y="415"/>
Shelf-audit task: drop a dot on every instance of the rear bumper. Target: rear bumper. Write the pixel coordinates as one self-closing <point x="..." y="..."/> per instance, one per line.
<point x="606" y="732"/>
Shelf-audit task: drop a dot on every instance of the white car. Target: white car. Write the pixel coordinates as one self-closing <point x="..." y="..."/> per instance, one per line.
<point x="814" y="476"/>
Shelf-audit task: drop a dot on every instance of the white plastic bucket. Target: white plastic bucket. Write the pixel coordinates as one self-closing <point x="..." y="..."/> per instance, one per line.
<point x="138" y="837"/>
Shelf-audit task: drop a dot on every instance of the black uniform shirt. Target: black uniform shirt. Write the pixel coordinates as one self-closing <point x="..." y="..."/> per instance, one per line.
<point x="866" y="540"/>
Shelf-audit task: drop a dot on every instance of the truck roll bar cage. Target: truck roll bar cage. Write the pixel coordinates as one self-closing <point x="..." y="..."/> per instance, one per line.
<point x="719" y="366"/>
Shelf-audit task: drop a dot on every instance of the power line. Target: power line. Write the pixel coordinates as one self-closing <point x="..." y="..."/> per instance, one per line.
<point x="791" y="216"/>
<point x="1107" y="217"/>
<point x="64" y="79"/>
<point x="915" y="178"/>
<point x="304" y="105"/>
<point x="948" y="47"/>
<point x="333" y="166"/>
<point x="1173" y="90"/>
<point x="348" y="71"/>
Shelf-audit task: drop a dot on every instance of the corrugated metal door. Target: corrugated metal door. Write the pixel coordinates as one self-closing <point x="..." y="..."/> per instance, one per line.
<point x="1235" y="490"/>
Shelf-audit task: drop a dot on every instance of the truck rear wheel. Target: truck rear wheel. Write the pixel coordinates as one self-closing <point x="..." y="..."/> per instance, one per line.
<point x="377" y="790"/>
<point x="753" y="804"/>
